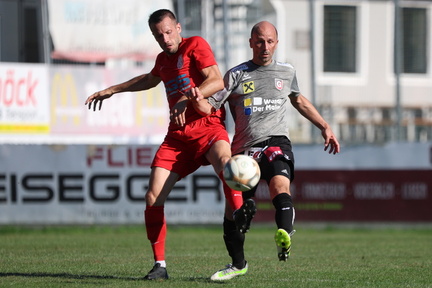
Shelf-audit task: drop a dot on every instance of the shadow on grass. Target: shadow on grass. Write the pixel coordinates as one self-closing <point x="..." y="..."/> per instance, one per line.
<point x="202" y="280"/>
<point x="67" y="276"/>
<point x="84" y="277"/>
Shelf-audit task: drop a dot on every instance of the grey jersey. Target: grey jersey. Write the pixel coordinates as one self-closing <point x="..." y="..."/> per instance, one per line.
<point x="258" y="100"/>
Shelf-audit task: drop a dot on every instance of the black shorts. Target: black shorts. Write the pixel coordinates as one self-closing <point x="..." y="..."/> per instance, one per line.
<point x="276" y="158"/>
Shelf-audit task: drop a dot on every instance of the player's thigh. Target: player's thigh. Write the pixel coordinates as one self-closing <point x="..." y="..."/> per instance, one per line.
<point x="219" y="154"/>
<point x="160" y="185"/>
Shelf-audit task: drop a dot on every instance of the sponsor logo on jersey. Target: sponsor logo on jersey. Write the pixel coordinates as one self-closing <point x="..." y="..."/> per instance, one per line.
<point x="252" y="101"/>
<point x="259" y="104"/>
<point x="257" y="101"/>
<point x="178" y="85"/>
<point x="247" y="103"/>
<point x="180" y="61"/>
<point x="279" y="84"/>
<point x="248" y="87"/>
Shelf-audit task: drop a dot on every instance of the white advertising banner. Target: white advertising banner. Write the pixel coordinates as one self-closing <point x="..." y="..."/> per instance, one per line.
<point x="81" y="184"/>
<point x="106" y="184"/>
<point x="130" y="117"/>
<point x="41" y="104"/>
<point x="93" y="31"/>
<point x="24" y="101"/>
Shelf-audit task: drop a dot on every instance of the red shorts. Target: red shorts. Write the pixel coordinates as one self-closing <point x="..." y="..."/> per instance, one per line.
<point x="183" y="151"/>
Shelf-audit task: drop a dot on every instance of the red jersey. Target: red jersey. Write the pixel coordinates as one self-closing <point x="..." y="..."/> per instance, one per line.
<point x="182" y="71"/>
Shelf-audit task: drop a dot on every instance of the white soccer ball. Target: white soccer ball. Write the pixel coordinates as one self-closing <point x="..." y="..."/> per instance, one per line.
<point x="241" y="173"/>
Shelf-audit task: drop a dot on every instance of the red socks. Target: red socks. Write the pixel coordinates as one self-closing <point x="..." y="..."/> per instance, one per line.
<point x="234" y="198"/>
<point x="156" y="225"/>
<point x="156" y="230"/>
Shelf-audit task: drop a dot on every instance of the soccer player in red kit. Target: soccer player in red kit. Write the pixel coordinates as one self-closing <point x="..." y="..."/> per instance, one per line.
<point x="192" y="140"/>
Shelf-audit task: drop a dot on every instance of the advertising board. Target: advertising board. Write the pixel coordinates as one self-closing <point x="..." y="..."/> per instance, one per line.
<point x="106" y="184"/>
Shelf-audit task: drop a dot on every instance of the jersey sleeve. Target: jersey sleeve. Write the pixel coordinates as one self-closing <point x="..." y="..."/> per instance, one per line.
<point x="202" y="53"/>
<point x="156" y="68"/>
<point x="218" y="99"/>
<point x="295" y="91"/>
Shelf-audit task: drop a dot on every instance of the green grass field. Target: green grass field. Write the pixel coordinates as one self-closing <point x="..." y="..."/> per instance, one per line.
<point x="100" y="256"/>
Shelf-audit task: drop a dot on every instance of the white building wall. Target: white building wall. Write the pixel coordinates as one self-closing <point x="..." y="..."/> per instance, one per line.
<point x="373" y="86"/>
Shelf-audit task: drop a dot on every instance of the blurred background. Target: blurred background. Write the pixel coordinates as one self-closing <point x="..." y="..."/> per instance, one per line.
<point x="366" y="65"/>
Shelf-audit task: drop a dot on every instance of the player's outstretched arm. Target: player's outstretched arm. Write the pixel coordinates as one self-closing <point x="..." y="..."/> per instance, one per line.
<point x="98" y="97"/>
<point x="305" y="107"/>
<point x="142" y="82"/>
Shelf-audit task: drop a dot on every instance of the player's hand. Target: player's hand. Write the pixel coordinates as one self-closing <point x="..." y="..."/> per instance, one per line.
<point x="98" y="97"/>
<point x="330" y="141"/>
<point x="178" y="112"/>
<point x="194" y="94"/>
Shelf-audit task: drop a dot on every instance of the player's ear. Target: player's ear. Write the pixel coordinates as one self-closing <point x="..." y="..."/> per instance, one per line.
<point x="179" y="29"/>
<point x="250" y="42"/>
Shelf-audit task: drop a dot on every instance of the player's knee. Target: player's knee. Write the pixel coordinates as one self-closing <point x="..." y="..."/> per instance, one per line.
<point x="279" y="184"/>
<point x="222" y="159"/>
<point x="150" y="198"/>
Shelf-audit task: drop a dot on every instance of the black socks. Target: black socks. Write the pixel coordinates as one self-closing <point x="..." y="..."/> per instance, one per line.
<point x="285" y="213"/>
<point x="234" y="242"/>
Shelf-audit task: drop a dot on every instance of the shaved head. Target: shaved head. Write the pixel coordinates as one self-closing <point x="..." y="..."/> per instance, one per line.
<point x="262" y="26"/>
<point x="263" y="41"/>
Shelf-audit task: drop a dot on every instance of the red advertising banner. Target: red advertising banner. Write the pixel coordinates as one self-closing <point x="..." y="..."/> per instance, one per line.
<point x="356" y="195"/>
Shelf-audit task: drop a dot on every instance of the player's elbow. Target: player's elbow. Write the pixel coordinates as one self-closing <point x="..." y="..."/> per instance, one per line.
<point x="206" y="112"/>
<point x="203" y="109"/>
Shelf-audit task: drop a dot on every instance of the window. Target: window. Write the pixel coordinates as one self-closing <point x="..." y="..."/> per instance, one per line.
<point x="414" y="23"/>
<point x="340" y="38"/>
<point x="31" y="51"/>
